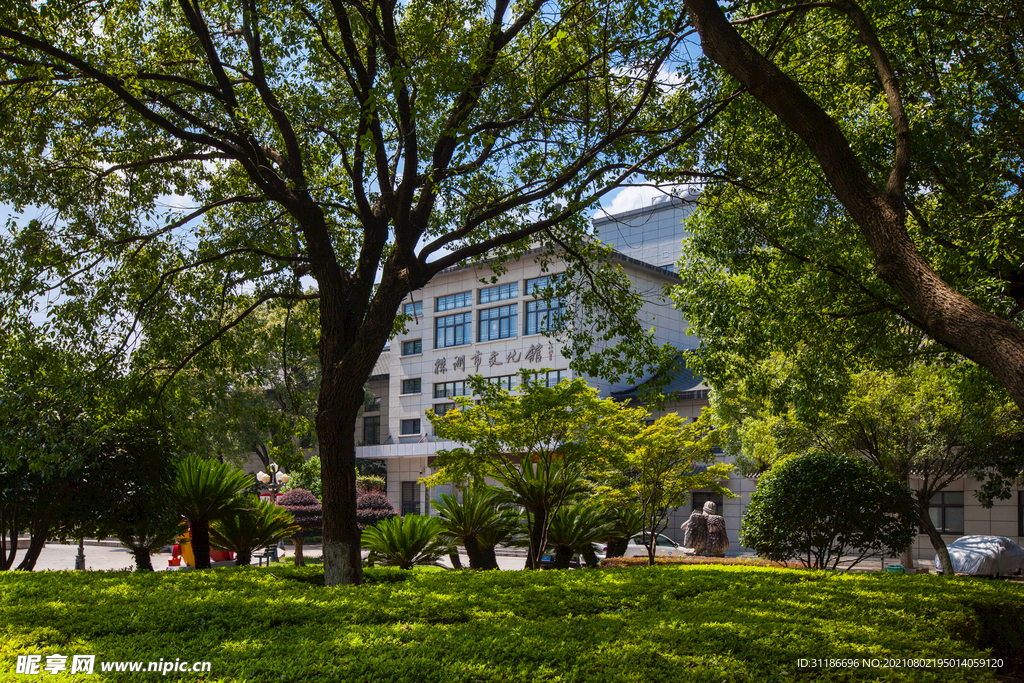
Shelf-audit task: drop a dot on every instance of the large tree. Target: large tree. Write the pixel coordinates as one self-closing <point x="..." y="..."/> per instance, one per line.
<point x="177" y="156"/>
<point x="885" y="192"/>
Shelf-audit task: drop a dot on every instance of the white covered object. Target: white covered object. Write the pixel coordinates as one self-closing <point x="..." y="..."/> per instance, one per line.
<point x="984" y="555"/>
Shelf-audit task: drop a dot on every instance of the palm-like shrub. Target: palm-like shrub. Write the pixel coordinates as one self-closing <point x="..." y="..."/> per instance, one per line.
<point x="249" y="530"/>
<point x="406" y="541"/>
<point x="574" y="530"/>
<point x="624" y="523"/>
<point x="308" y="515"/>
<point x="477" y="522"/>
<point x="205" y="491"/>
<point x="373" y="507"/>
<point x="146" y="535"/>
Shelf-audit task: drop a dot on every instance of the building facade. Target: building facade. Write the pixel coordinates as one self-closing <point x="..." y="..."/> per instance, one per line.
<point x="470" y="320"/>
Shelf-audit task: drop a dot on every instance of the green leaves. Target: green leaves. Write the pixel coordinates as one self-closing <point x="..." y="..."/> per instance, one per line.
<point x="207" y="490"/>
<point x="406" y="541"/>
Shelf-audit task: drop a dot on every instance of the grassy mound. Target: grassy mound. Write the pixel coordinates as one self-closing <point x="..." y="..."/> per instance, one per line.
<point x="665" y="623"/>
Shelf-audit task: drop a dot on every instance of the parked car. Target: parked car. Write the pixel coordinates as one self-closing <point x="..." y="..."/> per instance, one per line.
<point x="637" y="547"/>
<point x="984" y="556"/>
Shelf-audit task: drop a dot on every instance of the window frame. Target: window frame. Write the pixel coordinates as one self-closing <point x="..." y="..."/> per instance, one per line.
<point x="512" y="327"/>
<point x="412" y="421"/>
<point x="551" y="314"/>
<point x="367" y="422"/>
<point x="410" y="504"/>
<point x="419" y="386"/>
<point x="509" y="289"/>
<point x="412" y="341"/>
<point x="453" y="302"/>
<point x="455" y="386"/>
<point x="417" y="309"/>
<point x="466" y="325"/>
<point x="943" y="506"/>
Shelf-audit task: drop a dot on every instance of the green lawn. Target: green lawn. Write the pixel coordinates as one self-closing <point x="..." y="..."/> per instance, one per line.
<point x="672" y="623"/>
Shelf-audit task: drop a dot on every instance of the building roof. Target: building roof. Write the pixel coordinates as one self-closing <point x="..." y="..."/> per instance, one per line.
<point x="681" y="382"/>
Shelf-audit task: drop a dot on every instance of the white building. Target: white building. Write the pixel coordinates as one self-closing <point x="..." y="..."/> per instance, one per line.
<point x="465" y="324"/>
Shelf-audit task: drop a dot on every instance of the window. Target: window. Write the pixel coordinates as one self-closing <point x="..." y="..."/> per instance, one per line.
<point x="441" y="408"/>
<point x="700" y="498"/>
<point x="453" y="330"/>
<point x="412" y="347"/>
<point x="410" y="498"/>
<point x="414" y="309"/>
<point x="499" y="293"/>
<point x="537" y="285"/>
<point x="670" y="267"/>
<point x="508" y="382"/>
<point x="446" y="389"/>
<point x="371" y="430"/>
<point x="411" y="426"/>
<point x="453" y="301"/>
<point x="552" y="377"/>
<point x="543" y="315"/>
<point x="411" y="386"/>
<point x="947" y="512"/>
<point x="498" y="323"/>
<point x="373" y="406"/>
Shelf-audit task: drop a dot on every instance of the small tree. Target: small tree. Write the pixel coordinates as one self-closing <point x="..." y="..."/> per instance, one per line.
<point x="373" y="507"/>
<point x="248" y="530"/>
<point x="206" y="491"/>
<point x="665" y="462"/>
<point x="308" y="515"/>
<point x="819" y="507"/>
<point x="574" y="530"/>
<point x="538" y="444"/>
<point x="477" y="522"/>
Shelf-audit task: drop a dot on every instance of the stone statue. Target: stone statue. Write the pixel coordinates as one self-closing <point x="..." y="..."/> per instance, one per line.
<point x="695" y="532"/>
<point x="717" y="538"/>
<point x="704" y="532"/>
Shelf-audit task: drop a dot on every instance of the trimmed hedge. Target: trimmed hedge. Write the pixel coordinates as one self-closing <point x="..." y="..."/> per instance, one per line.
<point x="663" y="623"/>
<point x="619" y="562"/>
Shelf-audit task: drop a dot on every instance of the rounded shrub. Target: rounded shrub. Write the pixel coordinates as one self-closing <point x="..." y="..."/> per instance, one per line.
<point x="818" y="507"/>
<point x="373" y="507"/>
<point x="370" y="482"/>
<point x="309" y="519"/>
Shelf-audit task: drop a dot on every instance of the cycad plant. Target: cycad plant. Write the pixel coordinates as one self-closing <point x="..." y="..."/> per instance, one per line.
<point x="247" y="531"/>
<point x="574" y="530"/>
<point x="406" y="541"/>
<point x="477" y="522"/>
<point x="625" y="522"/>
<point x="146" y="535"/>
<point x="205" y="491"/>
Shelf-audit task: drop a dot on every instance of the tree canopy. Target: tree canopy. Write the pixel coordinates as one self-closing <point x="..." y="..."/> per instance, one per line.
<point x="180" y="164"/>
<point x="876" y="215"/>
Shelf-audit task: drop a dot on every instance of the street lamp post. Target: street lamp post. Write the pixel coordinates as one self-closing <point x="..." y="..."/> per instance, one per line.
<point x="273" y="480"/>
<point x="80" y="559"/>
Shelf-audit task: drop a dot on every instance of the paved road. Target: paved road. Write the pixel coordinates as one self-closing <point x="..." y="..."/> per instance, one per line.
<point x="57" y="556"/>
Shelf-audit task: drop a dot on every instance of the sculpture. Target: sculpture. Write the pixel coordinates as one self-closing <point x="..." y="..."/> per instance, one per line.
<point x="704" y="532"/>
<point x="717" y="539"/>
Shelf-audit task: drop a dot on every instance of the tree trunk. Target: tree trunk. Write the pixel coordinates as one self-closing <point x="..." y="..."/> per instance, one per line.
<point x="938" y="542"/>
<point x="907" y="558"/>
<point x="335" y="426"/>
<point x="8" y="530"/>
<point x="563" y="556"/>
<point x="201" y="542"/>
<point x="938" y="309"/>
<point x="617" y="547"/>
<point x="143" y="562"/>
<point x="300" y="560"/>
<point x="490" y="559"/>
<point x="590" y="557"/>
<point x="536" y="539"/>
<point x="456" y="561"/>
<point x="474" y="552"/>
<point x="244" y="559"/>
<point x="39" y="531"/>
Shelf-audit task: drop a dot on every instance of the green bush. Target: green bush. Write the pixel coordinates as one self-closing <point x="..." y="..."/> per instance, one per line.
<point x="818" y="507"/>
<point x="662" y="623"/>
<point x="370" y="482"/>
<point x="477" y="522"/>
<point x="249" y="530"/>
<point x="406" y="541"/>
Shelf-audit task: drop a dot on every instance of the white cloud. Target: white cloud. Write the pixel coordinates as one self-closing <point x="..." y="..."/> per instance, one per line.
<point x="641" y="196"/>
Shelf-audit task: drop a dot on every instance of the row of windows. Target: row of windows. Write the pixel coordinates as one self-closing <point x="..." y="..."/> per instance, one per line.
<point x="485" y="295"/>
<point x="501" y="322"/>
<point x="461" y="387"/>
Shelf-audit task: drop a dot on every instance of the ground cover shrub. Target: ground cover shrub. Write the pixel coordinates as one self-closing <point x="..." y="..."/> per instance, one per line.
<point x="621" y="562"/>
<point x="662" y="623"/>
